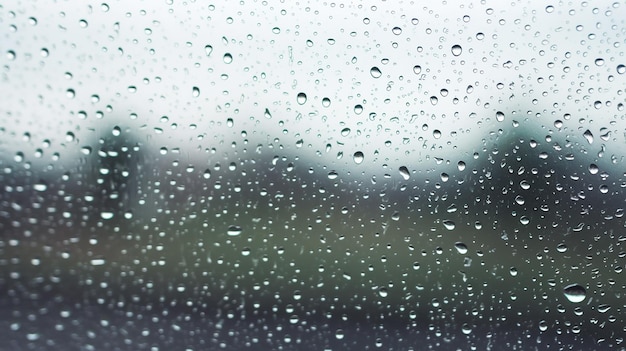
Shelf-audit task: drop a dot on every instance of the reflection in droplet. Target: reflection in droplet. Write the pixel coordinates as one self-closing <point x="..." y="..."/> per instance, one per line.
<point x="575" y="293"/>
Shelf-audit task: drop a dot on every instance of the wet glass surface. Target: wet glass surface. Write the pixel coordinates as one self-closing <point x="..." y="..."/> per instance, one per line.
<point x="312" y="176"/>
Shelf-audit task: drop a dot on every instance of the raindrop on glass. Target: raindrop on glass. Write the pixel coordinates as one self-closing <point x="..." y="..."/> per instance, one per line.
<point x="575" y="293"/>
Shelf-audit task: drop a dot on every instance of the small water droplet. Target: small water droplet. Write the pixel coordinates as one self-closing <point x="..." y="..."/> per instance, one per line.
<point x="599" y="62"/>
<point x="417" y="69"/>
<point x="436" y="133"/>
<point x="375" y="72"/>
<point x="561" y="248"/>
<point x="404" y="172"/>
<point x="234" y="230"/>
<point x="358" y="109"/>
<point x="434" y="100"/>
<point x="383" y="292"/>
<point x="267" y="114"/>
<point x="460" y="166"/>
<point x="575" y="293"/>
<point x="345" y="132"/>
<point x="358" y="157"/>
<point x="195" y="92"/>
<point x="621" y="69"/>
<point x="457" y="50"/>
<point x="106" y="215"/>
<point x="332" y="175"/>
<point x="325" y="102"/>
<point x="593" y="168"/>
<point x="339" y="334"/>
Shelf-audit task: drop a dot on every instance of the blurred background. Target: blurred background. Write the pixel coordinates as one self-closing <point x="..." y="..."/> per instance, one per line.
<point x="322" y="176"/>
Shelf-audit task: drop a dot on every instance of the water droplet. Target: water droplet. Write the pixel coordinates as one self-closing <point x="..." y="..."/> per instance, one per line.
<point x="339" y="334"/>
<point x="589" y="136"/>
<point x="375" y="72"/>
<point x="70" y="93"/>
<point x="593" y="168"/>
<point x="404" y="172"/>
<point x="228" y="58"/>
<point x="599" y="62"/>
<point x="457" y="50"/>
<point x="208" y="49"/>
<point x="461" y="248"/>
<point x="417" y="69"/>
<point x="575" y="293"/>
<point x="621" y="69"/>
<point x="358" y="157"/>
<point x="519" y="199"/>
<point x="383" y="292"/>
<point x="448" y="224"/>
<point x="332" y="175"/>
<point x="325" y="102"/>
<point x="500" y="116"/>
<point x="345" y="132"/>
<point x="434" y="100"/>
<point x="301" y="98"/>
<point x="358" y="109"/>
<point x="561" y="248"/>
<point x="40" y="186"/>
<point x="466" y="328"/>
<point x="267" y="114"/>
<point x="436" y="133"/>
<point x="513" y="271"/>
<point x="106" y="215"/>
<point x="98" y="261"/>
<point x="195" y="92"/>
<point x="234" y="230"/>
<point x="460" y="166"/>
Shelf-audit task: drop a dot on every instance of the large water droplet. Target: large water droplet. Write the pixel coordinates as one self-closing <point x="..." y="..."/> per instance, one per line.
<point x="457" y="50"/>
<point x="589" y="136"/>
<point x="500" y="116"/>
<point x="404" y="172"/>
<point x="358" y="157"/>
<point x="461" y="248"/>
<point x="575" y="293"/>
<point x="375" y="72"/>
<point x="448" y="224"/>
<point x="301" y="99"/>
<point x="234" y="230"/>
